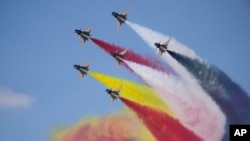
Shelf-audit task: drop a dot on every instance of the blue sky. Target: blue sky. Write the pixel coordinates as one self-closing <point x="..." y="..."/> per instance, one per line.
<point x="38" y="49"/>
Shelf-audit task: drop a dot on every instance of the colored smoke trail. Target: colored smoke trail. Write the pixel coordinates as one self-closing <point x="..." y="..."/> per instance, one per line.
<point x="133" y="91"/>
<point x="191" y="112"/>
<point x="160" y="124"/>
<point x="150" y="36"/>
<point x="233" y="101"/>
<point x="118" y="127"/>
<point x="131" y="55"/>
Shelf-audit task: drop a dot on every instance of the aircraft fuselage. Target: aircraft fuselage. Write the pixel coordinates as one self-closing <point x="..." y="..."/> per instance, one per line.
<point x="161" y="47"/>
<point x="158" y="45"/>
<point x="81" y="69"/>
<point x="83" y="34"/>
<point x="119" y="17"/>
<point x="118" y="57"/>
<point x="113" y="94"/>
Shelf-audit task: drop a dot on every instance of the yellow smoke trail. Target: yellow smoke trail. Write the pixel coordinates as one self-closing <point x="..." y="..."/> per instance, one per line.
<point x="122" y="126"/>
<point x="130" y="90"/>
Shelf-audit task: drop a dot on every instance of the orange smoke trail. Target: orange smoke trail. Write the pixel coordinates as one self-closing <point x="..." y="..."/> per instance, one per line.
<point x="119" y="127"/>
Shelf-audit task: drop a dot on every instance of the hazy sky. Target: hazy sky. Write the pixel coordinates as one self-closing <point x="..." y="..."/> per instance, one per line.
<point x="39" y="89"/>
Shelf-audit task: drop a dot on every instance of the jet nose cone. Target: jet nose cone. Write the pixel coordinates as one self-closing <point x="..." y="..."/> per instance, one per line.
<point x="108" y="91"/>
<point x="77" y="31"/>
<point x="113" y="54"/>
<point x="157" y="44"/>
<point x="76" y="67"/>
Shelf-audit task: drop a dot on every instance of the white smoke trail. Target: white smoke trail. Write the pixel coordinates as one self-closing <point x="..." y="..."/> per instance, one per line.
<point x="151" y="37"/>
<point x="192" y="87"/>
<point x="190" y="111"/>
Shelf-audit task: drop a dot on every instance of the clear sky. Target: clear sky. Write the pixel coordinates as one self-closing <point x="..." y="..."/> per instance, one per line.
<point x="38" y="48"/>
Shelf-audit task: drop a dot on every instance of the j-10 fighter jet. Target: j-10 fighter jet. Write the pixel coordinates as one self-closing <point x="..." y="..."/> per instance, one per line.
<point x="121" y="18"/>
<point x="84" y="34"/>
<point x="114" y="94"/>
<point x="83" y="70"/>
<point x="118" y="57"/>
<point x="162" y="47"/>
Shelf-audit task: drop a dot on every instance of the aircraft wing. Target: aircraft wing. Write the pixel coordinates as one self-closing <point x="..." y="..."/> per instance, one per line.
<point x="83" y="40"/>
<point x="87" y="64"/>
<point x="111" y="100"/>
<point x="123" y="52"/>
<point x="89" y="29"/>
<point x="118" y="24"/>
<point x="80" y="76"/>
<point x="125" y="13"/>
<point x="116" y="63"/>
<point x="160" y="53"/>
<point x="167" y="42"/>
<point x="118" y="89"/>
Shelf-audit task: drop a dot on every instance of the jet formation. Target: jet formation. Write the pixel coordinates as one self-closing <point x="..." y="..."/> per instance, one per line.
<point x="83" y="70"/>
<point x="119" y="57"/>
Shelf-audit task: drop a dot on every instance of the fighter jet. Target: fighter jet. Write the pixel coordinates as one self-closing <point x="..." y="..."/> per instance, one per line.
<point x="121" y="18"/>
<point x="118" y="57"/>
<point x="114" y="94"/>
<point x="82" y="69"/>
<point x="84" y="34"/>
<point x="162" y="47"/>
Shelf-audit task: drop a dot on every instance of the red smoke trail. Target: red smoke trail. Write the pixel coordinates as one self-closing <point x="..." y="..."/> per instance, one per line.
<point x="162" y="126"/>
<point x="131" y="55"/>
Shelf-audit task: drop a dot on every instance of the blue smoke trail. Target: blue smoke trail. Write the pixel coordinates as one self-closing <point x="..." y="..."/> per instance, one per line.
<point x="232" y="99"/>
